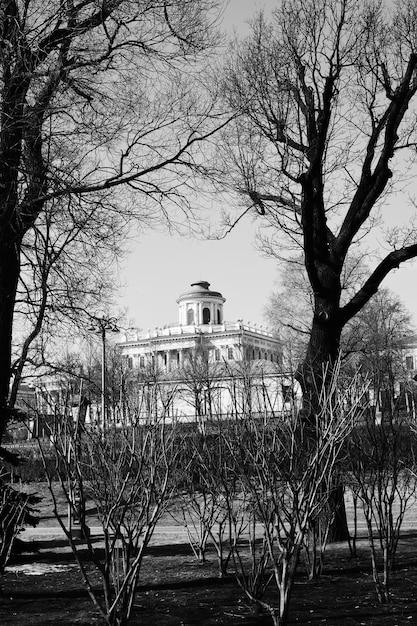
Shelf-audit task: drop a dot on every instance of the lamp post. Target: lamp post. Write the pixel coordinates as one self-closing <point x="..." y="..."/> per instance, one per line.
<point x="101" y="326"/>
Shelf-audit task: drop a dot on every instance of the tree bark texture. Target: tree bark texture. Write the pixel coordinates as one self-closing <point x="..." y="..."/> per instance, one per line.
<point x="9" y="275"/>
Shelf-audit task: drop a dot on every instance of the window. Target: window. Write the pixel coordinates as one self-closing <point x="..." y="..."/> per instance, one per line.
<point x="219" y="316"/>
<point x="190" y="317"/>
<point x="206" y="315"/>
<point x="142" y="361"/>
<point x="409" y="362"/>
<point x="230" y="353"/>
<point x="130" y="362"/>
<point x="217" y="354"/>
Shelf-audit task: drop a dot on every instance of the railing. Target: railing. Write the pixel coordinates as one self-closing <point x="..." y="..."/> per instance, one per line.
<point x="205" y="329"/>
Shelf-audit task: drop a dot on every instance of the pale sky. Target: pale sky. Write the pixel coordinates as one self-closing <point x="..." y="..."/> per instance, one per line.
<point x="160" y="267"/>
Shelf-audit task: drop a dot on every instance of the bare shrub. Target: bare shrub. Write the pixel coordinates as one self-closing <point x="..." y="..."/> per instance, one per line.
<point x="210" y="503"/>
<point x="380" y="472"/>
<point x="286" y="470"/>
<point x="17" y="509"/>
<point x="129" y="474"/>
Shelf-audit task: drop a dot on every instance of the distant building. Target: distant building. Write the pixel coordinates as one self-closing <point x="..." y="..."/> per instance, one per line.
<point x="204" y="366"/>
<point x="200" y="367"/>
<point x="201" y="325"/>
<point x="409" y="349"/>
<point x="21" y="429"/>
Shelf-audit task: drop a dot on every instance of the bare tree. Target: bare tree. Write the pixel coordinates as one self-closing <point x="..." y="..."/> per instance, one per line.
<point x="150" y="394"/>
<point x="65" y="276"/>
<point x="290" y="307"/>
<point x="94" y="97"/>
<point x="257" y="388"/>
<point x="289" y="311"/>
<point x="198" y="380"/>
<point x="324" y="97"/>
<point x="374" y="342"/>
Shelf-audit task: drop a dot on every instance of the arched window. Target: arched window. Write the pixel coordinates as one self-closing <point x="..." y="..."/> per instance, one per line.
<point x="190" y="316"/>
<point x="219" y="316"/>
<point x="206" y="315"/>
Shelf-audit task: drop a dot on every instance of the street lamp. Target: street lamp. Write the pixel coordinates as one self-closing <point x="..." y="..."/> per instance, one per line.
<point x="101" y="326"/>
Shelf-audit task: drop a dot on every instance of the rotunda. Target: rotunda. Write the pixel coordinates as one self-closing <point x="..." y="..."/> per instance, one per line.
<point x="200" y="306"/>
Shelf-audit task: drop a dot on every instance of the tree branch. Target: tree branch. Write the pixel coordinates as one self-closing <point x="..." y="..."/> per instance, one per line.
<point x="372" y="284"/>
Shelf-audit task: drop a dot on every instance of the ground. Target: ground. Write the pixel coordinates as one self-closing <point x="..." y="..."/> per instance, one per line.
<point x="43" y="587"/>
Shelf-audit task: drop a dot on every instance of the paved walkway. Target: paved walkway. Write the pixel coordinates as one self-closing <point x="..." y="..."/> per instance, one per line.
<point x="166" y="533"/>
<point x="162" y="535"/>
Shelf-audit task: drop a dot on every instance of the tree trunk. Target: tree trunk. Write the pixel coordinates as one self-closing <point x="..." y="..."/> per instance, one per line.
<point x="9" y="275"/>
<point x="316" y="371"/>
<point x="322" y="352"/>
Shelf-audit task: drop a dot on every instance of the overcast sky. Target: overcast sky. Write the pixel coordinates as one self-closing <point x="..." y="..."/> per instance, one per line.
<point x="160" y="267"/>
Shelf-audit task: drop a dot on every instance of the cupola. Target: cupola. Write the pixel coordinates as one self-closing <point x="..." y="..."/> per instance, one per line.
<point x="200" y="305"/>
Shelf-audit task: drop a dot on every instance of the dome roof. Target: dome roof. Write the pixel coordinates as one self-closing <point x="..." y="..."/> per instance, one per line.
<point x="200" y="290"/>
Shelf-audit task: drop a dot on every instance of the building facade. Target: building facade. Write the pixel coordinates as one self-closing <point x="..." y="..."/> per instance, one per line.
<point x="198" y="368"/>
<point x="409" y="349"/>
<point x="205" y="366"/>
<point x="201" y="326"/>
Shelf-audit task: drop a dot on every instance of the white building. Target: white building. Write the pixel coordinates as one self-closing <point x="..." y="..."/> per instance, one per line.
<point x="204" y="365"/>
<point x="200" y="367"/>
<point x="200" y="325"/>
<point x="409" y="349"/>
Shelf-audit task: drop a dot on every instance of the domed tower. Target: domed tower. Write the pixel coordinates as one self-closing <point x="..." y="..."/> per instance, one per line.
<point x="199" y="305"/>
